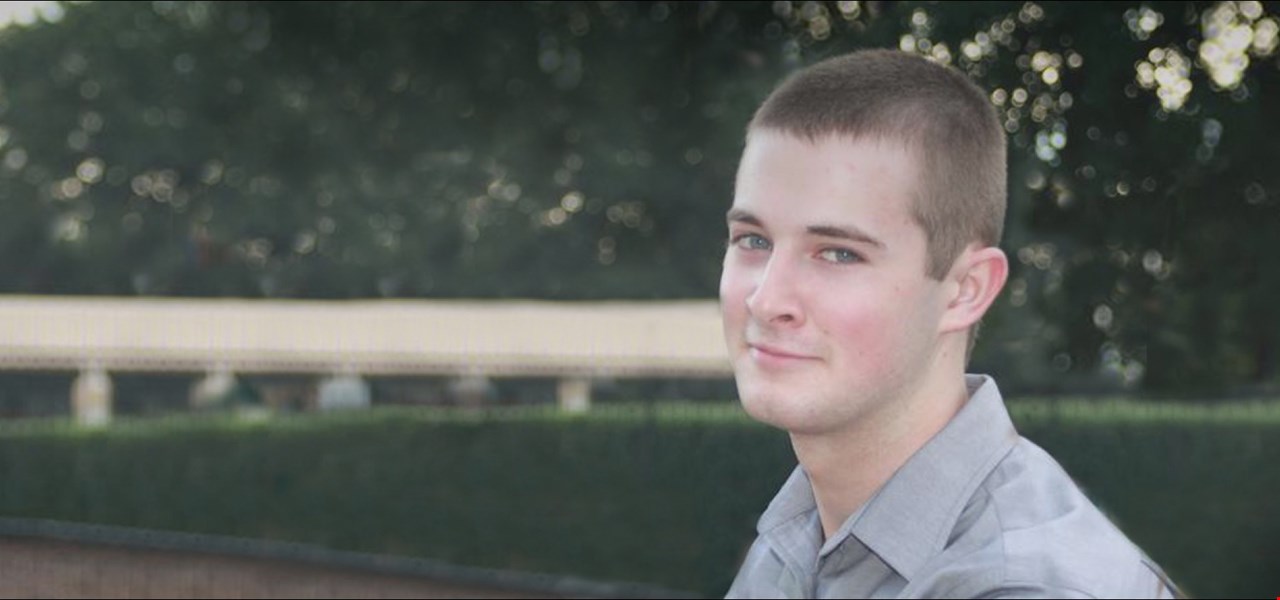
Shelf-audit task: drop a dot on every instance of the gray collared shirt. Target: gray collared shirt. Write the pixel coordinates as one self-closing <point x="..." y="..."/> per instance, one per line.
<point x="978" y="512"/>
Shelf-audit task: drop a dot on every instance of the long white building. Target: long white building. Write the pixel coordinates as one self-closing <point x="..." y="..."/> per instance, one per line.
<point x="571" y="341"/>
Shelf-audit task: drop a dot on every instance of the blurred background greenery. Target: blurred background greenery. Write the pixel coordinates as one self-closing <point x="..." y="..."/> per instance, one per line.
<point x="586" y="150"/>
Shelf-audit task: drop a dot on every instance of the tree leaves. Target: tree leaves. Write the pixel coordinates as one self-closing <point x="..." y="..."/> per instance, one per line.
<point x="587" y="150"/>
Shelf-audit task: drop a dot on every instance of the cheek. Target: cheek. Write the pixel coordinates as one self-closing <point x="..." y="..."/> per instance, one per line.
<point x="736" y="283"/>
<point x="734" y="289"/>
<point x="863" y="331"/>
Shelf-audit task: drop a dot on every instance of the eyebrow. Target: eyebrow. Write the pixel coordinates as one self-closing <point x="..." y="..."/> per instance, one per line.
<point x="852" y="234"/>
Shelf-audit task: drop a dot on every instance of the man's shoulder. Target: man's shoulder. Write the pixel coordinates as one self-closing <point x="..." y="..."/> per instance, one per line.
<point x="1029" y="527"/>
<point x="1037" y="502"/>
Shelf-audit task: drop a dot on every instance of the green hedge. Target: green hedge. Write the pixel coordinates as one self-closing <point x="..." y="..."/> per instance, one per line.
<point x="663" y="494"/>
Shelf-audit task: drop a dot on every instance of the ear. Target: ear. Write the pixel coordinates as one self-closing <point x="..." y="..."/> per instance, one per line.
<point x="974" y="282"/>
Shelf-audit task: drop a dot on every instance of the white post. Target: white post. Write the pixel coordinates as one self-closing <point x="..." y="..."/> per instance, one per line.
<point x="471" y="390"/>
<point x="574" y="394"/>
<point x="213" y="391"/>
<point x="91" y="397"/>
<point x="345" y="391"/>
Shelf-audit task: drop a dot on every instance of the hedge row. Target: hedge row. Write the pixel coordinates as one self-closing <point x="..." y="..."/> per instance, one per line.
<point x="664" y="494"/>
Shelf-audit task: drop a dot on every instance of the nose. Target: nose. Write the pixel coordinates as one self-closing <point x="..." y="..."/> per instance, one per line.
<point x="776" y="299"/>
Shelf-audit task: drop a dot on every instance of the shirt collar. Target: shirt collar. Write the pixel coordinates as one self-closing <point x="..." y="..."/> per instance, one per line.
<point x="794" y="499"/>
<point x="910" y="518"/>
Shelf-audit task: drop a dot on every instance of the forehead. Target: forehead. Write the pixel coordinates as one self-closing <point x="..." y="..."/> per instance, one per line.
<point x="788" y="181"/>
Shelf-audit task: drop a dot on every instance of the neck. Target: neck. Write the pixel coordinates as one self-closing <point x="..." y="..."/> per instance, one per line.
<point x="846" y="467"/>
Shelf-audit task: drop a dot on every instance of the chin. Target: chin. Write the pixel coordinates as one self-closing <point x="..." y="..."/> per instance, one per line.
<point x="779" y="408"/>
<point x="796" y="407"/>
<point x="755" y="406"/>
<point x="757" y="398"/>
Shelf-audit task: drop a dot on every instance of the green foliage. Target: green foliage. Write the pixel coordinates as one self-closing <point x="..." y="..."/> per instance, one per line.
<point x="587" y="150"/>
<point x="664" y="494"/>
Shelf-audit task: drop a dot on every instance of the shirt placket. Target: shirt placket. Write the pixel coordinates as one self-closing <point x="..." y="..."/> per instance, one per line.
<point x="851" y="570"/>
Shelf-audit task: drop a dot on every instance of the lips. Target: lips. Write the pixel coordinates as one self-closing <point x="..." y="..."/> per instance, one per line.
<point x="776" y="352"/>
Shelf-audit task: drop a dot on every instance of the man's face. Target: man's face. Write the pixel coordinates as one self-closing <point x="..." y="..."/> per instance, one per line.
<point x="828" y="315"/>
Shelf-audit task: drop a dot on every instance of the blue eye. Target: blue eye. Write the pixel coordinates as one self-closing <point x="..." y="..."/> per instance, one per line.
<point x="840" y="255"/>
<point x="750" y="241"/>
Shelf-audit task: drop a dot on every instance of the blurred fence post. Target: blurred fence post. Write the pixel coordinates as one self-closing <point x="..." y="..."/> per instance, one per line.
<point x="472" y="390"/>
<point x="213" y="391"/>
<point x="574" y="394"/>
<point x="342" y="392"/>
<point x="91" y="397"/>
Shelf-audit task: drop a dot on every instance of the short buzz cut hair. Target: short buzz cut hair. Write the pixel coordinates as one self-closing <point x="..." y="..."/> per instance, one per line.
<point x="944" y="119"/>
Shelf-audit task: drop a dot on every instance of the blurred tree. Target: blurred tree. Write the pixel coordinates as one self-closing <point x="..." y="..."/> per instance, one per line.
<point x="587" y="150"/>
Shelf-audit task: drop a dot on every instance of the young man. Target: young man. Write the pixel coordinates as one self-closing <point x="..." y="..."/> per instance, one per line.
<point x="862" y="254"/>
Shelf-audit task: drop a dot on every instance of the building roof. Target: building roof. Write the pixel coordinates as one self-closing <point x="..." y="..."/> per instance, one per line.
<point x="406" y="337"/>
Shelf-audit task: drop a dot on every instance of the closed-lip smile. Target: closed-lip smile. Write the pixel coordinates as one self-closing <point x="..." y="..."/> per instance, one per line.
<point x="776" y="352"/>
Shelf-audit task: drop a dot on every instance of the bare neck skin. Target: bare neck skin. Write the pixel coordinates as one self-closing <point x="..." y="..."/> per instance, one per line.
<point x="847" y="466"/>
